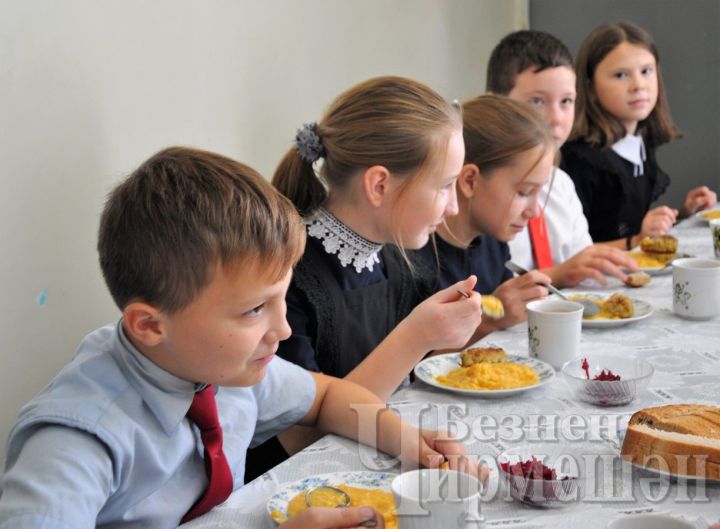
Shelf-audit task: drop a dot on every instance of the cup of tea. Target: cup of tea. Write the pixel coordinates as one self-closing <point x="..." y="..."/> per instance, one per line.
<point x="696" y="288"/>
<point x="554" y="327"/>
<point x="429" y="498"/>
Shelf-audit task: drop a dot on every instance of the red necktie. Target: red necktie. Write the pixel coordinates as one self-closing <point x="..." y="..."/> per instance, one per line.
<point x="540" y="242"/>
<point x="203" y="412"/>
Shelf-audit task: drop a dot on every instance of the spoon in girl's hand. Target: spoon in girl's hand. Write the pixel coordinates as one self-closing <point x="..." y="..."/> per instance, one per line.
<point x="329" y="496"/>
<point x="491" y="305"/>
<point x="590" y="308"/>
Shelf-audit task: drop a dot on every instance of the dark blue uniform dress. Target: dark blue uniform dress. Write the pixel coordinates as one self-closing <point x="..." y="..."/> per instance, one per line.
<point x="338" y="316"/>
<point x="485" y="257"/>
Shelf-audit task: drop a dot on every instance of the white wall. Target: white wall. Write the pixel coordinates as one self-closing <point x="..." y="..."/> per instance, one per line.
<point x="90" y="88"/>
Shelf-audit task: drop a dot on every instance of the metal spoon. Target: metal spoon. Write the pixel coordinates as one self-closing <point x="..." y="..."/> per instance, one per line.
<point x="590" y="308"/>
<point x="342" y="497"/>
<point x="343" y="500"/>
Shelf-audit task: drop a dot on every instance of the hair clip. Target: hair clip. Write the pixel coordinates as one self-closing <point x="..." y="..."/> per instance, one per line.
<point x="307" y="143"/>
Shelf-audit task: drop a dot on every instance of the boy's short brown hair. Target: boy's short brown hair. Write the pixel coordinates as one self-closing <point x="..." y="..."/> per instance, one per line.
<point x="167" y="226"/>
<point x="519" y="51"/>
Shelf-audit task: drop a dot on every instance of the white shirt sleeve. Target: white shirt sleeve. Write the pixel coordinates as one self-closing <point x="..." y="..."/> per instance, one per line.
<point x="60" y="479"/>
<point x="567" y="225"/>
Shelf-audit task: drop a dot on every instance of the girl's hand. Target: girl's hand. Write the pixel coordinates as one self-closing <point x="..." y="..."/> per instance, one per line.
<point x="517" y="292"/>
<point x="699" y="198"/>
<point x="594" y="262"/>
<point x="658" y="221"/>
<point x="441" y="449"/>
<point x="330" y="518"/>
<point x="446" y="320"/>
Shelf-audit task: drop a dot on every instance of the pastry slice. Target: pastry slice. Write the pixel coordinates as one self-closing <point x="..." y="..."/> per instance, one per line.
<point x="478" y="355"/>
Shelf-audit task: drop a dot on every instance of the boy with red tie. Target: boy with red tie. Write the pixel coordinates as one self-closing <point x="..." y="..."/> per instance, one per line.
<point x="148" y="425"/>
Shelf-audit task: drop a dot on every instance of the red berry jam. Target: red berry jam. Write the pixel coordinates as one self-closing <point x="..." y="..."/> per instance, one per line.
<point x="604" y="375"/>
<point x="531" y="469"/>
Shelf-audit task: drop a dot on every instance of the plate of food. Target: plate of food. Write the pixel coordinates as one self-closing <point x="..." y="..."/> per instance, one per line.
<point x="484" y="372"/>
<point x="708" y="214"/>
<point x="362" y="488"/>
<point x="676" y="441"/>
<point x="656" y="254"/>
<point x="615" y="310"/>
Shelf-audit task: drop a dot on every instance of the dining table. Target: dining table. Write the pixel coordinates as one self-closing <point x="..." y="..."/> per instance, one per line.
<point x="685" y="355"/>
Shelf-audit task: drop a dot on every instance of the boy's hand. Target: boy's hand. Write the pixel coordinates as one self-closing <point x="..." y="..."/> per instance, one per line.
<point x="593" y="263"/>
<point x="329" y="518"/>
<point x="440" y="449"/>
<point x="658" y="221"/>
<point x="447" y="319"/>
<point x="517" y="292"/>
<point x="699" y="198"/>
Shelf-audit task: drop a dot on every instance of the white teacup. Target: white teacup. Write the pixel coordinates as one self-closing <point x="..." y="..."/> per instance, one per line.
<point x="696" y="288"/>
<point x="432" y="498"/>
<point x="649" y="521"/>
<point x="554" y="330"/>
<point x="715" y="232"/>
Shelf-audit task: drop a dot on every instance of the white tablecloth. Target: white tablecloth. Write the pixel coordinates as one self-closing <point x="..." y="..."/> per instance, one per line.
<point x="686" y="358"/>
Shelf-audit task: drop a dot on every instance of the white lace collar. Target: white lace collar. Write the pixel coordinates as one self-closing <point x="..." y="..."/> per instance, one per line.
<point x="339" y="239"/>
<point x="632" y="149"/>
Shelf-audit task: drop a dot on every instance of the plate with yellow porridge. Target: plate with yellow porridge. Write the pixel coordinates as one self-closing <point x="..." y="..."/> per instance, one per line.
<point x="655" y="255"/>
<point x="615" y="310"/>
<point x="484" y="372"/>
<point x="362" y="488"/>
<point x="708" y="214"/>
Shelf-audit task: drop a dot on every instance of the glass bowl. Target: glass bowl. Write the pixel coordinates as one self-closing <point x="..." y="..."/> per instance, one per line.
<point x="548" y="493"/>
<point x="635" y="373"/>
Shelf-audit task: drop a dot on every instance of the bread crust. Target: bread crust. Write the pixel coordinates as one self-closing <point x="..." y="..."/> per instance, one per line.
<point x="696" y="419"/>
<point x="683" y="457"/>
<point x="683" y="439"/>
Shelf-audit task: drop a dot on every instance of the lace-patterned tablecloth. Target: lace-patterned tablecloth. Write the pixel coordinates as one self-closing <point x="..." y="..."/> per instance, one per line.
<point x="686" y="358"/>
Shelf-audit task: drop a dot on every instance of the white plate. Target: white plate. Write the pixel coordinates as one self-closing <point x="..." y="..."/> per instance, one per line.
<point x="667" y="269"/>
<point x="660" y="271"/>
<point x="701" y="214"/>
<point x="438" y="365"/>
<point x="670" y="476"/>
<point x="664" y="270"/>
<point x="642" y="310"/>
<point x="367" y="480"/>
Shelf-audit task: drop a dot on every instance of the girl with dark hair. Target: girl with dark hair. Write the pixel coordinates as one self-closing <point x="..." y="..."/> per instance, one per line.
<point x="622" y="116"/>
